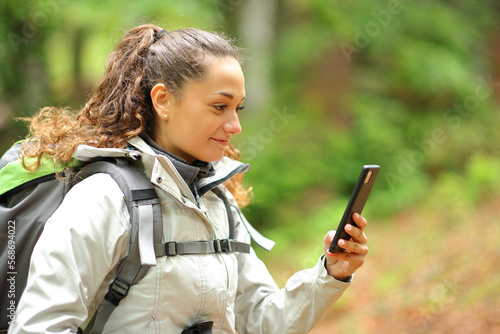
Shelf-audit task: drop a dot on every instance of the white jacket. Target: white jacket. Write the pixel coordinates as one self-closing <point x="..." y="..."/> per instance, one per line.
<point x="76" y="256"/>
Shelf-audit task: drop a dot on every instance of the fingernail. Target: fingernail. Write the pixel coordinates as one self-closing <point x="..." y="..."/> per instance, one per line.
<point x="356" y="215"/>
<point x="349" y="227"/>
<point x="341" y="242"/>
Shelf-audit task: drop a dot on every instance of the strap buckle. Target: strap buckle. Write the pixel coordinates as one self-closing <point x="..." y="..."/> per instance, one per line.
<point x="223" y="245"/>
<point x="171" y="248"/>
<point x="118" y="290"/>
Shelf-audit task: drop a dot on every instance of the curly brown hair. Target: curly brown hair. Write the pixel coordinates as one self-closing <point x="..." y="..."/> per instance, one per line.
<point x="120" y="105"/>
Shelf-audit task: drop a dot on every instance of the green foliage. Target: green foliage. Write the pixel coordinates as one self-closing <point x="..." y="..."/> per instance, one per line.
<point x="408" y="85"/>
<point x="419" y="104"/>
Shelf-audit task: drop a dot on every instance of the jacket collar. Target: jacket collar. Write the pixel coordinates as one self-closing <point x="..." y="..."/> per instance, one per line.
<point x="190" y="173"/>
<point x="219" y="172"/>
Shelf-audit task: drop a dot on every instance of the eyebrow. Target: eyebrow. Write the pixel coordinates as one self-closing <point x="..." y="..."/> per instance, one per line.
<point x="228" y="95"/>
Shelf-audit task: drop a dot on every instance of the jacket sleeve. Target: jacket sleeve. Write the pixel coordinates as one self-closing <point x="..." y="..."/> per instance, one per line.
<point x="261" y="307"/>
<point x="80" y="245"/>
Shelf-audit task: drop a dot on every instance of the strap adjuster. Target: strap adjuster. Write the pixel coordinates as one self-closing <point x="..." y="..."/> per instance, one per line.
<point x="223" y="245"/>
<point x="118" y="290"/>
<point x="171" y="248"/>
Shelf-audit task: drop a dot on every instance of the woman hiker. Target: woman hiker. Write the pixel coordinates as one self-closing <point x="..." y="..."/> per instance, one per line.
<point x="174" y="98"/>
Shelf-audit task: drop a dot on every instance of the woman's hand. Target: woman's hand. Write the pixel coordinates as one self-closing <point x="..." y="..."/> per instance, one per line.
<point x="344" y="264"/>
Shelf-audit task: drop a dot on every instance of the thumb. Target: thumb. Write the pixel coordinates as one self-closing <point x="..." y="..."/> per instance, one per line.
<point x="328" y="240"/>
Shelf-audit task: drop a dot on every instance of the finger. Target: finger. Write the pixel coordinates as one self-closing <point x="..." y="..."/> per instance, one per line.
<point x="354" y="247"/>
<point x="359" y="220"/>
<point x="356" y="233"/>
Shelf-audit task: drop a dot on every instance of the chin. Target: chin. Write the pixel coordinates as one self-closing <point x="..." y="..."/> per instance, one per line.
<point x="212" y="157"/>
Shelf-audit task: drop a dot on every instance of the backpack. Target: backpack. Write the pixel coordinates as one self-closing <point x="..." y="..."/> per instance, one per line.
<point x="28" y="199"/>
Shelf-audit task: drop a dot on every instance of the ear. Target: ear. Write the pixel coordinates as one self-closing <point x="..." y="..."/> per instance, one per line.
<point x="161" y="97"/>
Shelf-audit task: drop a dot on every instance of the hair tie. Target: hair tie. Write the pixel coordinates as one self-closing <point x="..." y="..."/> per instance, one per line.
<point x="159" y="35"/>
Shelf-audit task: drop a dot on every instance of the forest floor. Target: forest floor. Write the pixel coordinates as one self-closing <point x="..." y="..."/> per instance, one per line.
<point x="429" y="270"/>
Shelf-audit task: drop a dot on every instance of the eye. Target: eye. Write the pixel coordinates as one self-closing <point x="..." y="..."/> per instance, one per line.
<point x="220" y="107"/>
<point x="240" y="108"/>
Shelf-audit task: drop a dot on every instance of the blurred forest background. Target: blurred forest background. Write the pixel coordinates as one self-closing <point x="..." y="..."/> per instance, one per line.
<point x="413" y="86"/>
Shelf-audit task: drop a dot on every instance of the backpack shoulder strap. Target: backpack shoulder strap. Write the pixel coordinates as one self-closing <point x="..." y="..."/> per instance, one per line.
<point x="220" y="193"/>
<point x="173" y="248"/>
<point x="146" y="223"/>
<point x="258" y="238"/>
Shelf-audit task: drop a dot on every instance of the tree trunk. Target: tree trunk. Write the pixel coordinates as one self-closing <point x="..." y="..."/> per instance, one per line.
<point x="258" y="31"/>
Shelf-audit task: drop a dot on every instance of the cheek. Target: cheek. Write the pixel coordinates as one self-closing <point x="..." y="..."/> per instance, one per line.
<point x="207" y="126"/>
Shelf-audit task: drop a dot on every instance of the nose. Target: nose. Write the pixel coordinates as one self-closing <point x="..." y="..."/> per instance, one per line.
<point x="232" y="124"/>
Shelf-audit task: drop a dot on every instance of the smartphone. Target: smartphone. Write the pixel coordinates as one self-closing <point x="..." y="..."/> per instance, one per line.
<point x="356" y="204"/>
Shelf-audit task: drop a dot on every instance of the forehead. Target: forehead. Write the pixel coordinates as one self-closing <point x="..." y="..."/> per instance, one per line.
<point x="221" y="75"/>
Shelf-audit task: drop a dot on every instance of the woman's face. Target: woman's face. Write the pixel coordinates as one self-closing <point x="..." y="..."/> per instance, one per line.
<point x="200" y="124"/>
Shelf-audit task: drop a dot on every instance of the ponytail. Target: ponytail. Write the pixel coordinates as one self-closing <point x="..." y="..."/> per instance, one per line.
<point x="116" y="111"/>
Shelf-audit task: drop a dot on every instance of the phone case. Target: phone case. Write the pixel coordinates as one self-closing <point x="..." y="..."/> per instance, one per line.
<point x="356" y="203"/>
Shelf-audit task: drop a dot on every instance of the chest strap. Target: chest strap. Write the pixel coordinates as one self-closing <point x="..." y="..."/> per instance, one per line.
<point x="173" y="248"/>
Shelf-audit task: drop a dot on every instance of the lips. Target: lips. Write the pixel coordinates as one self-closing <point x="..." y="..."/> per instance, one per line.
<point x="223" y="142"/>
